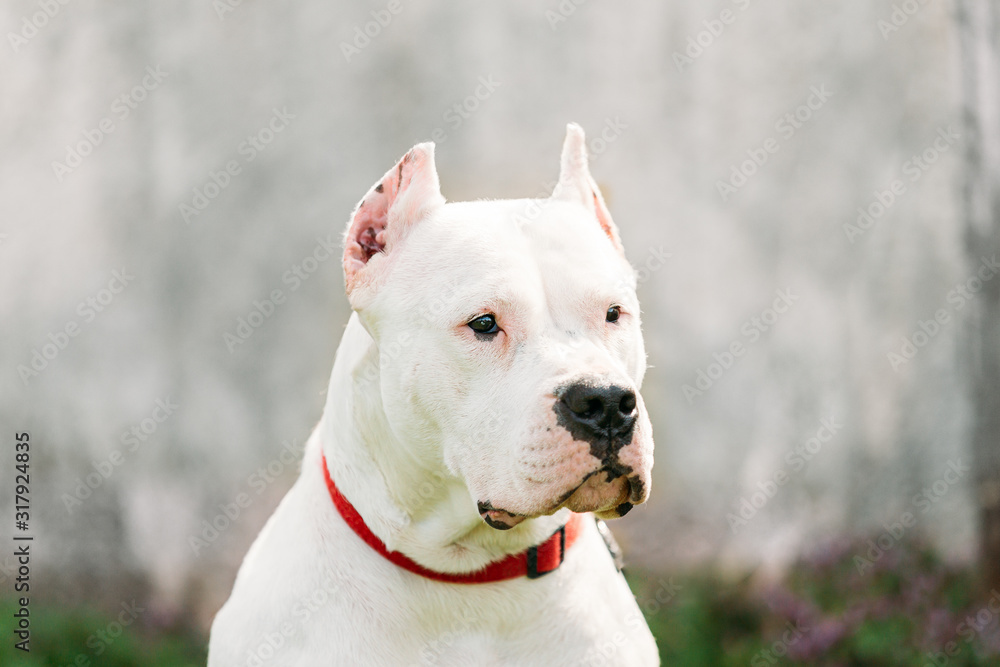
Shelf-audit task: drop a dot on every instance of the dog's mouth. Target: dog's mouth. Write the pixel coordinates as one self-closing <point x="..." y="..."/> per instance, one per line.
<point x="603" y="492"/>
<point x="609" y="492"/>
<point x="499" y="518"/>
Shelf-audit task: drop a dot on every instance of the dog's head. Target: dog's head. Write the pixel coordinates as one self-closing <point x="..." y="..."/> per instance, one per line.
<point x="509" y="339"/>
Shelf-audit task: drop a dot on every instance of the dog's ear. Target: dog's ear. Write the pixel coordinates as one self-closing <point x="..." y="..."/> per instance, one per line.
<point x="407" y="193"/>
<point x="576" y="183"/>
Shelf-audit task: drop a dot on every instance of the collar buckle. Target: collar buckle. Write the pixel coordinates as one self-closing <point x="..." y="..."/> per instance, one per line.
<point x="548" y="555"/>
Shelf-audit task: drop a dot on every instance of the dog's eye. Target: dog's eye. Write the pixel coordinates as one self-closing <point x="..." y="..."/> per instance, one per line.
<point x="484" y="324"/>
<point x="614" y="312"/>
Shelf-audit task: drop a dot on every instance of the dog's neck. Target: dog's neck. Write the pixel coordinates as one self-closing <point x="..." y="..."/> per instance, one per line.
<point x="414" y="506"/>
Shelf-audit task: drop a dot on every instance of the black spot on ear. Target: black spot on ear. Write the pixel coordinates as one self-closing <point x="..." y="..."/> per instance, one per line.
<point x="379" y="188"/>
<point x="368" y="243"/>
<point x="623" y="509"/>
<point x="597" y="202"/>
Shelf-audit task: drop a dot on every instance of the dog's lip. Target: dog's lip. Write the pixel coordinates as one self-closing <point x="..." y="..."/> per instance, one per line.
<point x="566" y="496"/>
<point x="622" y="504"/>
<point x="503" y="519"/>
<point x="497" y="517"/>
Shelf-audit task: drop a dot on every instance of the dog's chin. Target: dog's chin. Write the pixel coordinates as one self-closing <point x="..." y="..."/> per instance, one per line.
<point x="606" y="498"/>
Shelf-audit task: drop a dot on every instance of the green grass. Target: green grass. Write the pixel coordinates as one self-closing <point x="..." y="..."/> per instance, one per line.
<point x="907" y="609"/>
<point x="86" y="638"/>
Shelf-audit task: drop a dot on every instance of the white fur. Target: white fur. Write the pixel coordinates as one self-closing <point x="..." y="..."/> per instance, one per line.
<point x="423" y="420"/>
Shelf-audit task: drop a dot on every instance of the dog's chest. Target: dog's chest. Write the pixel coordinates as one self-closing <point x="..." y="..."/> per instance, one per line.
<point x="583" y="613"/>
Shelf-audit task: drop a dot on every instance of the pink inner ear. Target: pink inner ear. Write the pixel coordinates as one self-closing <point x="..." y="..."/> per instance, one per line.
<point x="366" y="235"/>
<point x="368" y="227"/>
<point x="604" y="219"/>
<point x="389" y="208"/>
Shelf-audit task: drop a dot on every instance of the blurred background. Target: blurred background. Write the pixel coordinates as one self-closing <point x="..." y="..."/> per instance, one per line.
<point x="807" y="190"/>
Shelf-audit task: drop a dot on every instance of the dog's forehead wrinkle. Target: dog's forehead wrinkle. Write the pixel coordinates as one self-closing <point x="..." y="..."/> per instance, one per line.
<point x="557" y="262"/>
<point x="549" y="230"/>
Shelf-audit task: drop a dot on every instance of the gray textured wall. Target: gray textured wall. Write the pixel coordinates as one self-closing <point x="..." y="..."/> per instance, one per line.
<point x="673" y="130"/>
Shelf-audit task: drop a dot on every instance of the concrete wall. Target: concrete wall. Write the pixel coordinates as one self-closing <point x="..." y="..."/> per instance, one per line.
<point x="675" y="96"/>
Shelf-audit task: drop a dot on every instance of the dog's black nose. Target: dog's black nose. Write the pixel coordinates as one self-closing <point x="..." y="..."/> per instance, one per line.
<point x="597" y="413"/>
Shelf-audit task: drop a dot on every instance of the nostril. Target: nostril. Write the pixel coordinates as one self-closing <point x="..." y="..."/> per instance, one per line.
<point x="627" y="404"/>
<point x="603" y="414"/>
<point x="599" y="404"/>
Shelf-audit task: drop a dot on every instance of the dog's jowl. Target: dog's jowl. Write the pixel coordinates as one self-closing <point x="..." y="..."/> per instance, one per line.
<point x="483" y="409"/>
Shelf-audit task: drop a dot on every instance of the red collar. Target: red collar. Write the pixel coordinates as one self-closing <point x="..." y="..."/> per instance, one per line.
<point x="533" y="563"/>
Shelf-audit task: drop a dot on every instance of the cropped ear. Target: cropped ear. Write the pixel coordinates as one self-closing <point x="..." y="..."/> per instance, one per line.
<point x="576" y="183"/>
<point x="407" y="193"/>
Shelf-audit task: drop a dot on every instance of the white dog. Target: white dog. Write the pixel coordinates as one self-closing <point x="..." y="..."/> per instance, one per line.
<point x="484" y="400"/>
